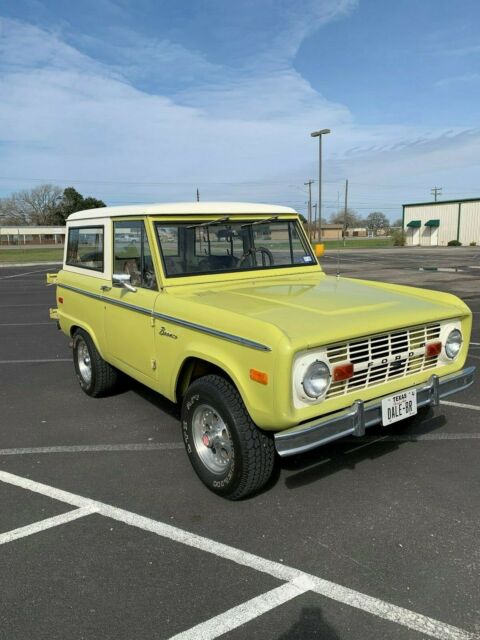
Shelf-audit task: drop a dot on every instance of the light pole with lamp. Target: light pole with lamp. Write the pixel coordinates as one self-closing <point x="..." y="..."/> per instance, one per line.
<point x="319" y="134"/>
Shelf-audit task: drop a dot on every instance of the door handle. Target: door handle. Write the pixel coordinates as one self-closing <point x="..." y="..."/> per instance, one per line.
<point x="105" y="287"/>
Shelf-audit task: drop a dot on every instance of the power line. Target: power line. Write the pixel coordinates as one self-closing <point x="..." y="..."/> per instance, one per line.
<point x="436" y="191"/>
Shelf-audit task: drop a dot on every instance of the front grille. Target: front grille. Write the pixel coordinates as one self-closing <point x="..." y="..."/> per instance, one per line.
<point x="381" y="358"/>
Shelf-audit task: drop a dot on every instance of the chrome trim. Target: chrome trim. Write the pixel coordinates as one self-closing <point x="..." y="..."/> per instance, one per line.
<point x="361" y="415"/>
<point x="213" y="332"/>
<point x="89" y="294"/>
<point x="118" y="303"/>
<point x="183" y="323"/>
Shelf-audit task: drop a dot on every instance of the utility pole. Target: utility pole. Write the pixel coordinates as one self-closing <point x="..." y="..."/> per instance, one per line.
<point x="436" y="191"/>
<point x="198" y="195"/>
<point x="309" y="184"/>
<point x="345" y="212"/>
<point x="314" y="220"/>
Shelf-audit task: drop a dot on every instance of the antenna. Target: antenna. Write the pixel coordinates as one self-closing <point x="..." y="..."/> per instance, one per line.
<point x="198" y="195"/>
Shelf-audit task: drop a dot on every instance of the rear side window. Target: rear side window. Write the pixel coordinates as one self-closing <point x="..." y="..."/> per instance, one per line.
<point x="85" y="248"/>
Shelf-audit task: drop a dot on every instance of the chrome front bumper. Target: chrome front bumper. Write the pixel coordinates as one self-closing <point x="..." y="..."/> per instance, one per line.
<point x="355" y="419"/>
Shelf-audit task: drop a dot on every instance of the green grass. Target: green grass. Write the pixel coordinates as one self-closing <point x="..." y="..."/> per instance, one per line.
<point x="53" y="255"/>
<point x="30" y="255"/>
<point x="357" y="243"/>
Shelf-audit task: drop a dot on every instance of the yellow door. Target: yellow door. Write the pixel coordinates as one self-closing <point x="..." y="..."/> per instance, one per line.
<point x="128" y="313"/>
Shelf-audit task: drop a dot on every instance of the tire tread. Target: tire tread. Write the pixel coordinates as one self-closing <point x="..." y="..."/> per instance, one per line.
<point x="105" y="377"/>
<point x="259" y="446"/>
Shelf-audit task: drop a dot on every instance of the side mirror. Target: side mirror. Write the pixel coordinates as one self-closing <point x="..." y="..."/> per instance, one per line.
<point x="123" y="280"/>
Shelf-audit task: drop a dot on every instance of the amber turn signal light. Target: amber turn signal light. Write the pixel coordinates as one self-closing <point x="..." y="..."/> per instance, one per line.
<point x="433" y="349"/>
<point x="259" y="376"/>
<point x="342" y="372"/>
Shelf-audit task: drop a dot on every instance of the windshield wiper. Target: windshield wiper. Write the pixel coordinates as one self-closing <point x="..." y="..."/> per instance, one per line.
<point x="262" y="221"/>
<point x="209" y="223"/>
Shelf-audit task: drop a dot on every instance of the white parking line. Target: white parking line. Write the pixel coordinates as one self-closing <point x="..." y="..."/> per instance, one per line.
<point x="339" y="593"/>
<point x="424" y="437"/>
<point x="470" y="355"/>
<point x="154" y="446"/>
<point x="174" y="446"/>
<point x="31" y="304"/>
<point x="41" y="525"/>
<point x="475" y="344"/>
<point x="243" y="613"/>
<point x="33" y="361"/>
<point x="27" y="273"/>
<point x="461" y="405"/>
<point x="26" y="324"/>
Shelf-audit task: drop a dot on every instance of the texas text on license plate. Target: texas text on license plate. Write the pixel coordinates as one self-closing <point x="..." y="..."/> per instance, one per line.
<point x="400" y="406"/>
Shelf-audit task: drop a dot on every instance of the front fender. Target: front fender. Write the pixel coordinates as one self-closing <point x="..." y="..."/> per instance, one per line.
<point x="236" y="362"/>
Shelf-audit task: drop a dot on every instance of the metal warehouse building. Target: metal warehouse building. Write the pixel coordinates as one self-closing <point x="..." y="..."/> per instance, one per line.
<point x="436" y="223"/>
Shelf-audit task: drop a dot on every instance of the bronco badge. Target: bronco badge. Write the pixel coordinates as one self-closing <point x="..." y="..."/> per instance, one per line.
<point x="167" y="334"/>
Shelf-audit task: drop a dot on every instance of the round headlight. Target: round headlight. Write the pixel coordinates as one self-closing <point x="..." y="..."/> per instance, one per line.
<point x="316" y="380"/>
<point x="453" y="343"/>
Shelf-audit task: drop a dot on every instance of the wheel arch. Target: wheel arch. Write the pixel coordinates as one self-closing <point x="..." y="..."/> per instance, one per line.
<point x="73" y="328"/>
<point x="194" y="367"/>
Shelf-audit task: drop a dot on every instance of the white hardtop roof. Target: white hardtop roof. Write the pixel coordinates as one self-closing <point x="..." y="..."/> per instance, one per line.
<point x="182" y="208"/>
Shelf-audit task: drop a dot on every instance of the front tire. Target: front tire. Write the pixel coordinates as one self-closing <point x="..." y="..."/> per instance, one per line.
<point x="96" y="377"/>
<point x="230" y="455"/>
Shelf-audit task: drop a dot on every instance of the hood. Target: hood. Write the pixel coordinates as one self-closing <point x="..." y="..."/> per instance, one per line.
<point x="317" y="309"/>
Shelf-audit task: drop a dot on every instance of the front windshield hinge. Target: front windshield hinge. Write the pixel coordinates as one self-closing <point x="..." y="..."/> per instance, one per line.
<point x="262" y="221"/>
<point x="207" y="224"/>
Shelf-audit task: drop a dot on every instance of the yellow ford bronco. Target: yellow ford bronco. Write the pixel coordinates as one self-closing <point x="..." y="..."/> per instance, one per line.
<point x="224" y="308"/>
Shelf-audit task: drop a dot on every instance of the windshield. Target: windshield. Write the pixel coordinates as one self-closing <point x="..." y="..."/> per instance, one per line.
<point x="199" y="248"/>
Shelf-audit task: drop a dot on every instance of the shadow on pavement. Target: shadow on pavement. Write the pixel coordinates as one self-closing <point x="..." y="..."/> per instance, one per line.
<point x="310" y="625"/>
<point x="347" y="453"/>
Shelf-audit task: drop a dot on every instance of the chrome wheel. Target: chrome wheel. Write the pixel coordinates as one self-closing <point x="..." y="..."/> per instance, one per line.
<point x="212" y="439"/>
<point x="84" y="362"/>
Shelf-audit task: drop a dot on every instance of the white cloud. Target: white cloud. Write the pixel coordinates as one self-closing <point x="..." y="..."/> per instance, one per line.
<point x="65" y="116"/>
<point x="465" y="78"/>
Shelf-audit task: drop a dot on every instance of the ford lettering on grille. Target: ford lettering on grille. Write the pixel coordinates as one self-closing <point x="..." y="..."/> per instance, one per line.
<point x="381" y="358"/>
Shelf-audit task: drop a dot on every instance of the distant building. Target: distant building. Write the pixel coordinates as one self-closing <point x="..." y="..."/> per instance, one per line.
<point x="17" y="235"/>
<point x="357" y="232"/>
<point x="332" y="231"/>
<point x="436" y="223"/>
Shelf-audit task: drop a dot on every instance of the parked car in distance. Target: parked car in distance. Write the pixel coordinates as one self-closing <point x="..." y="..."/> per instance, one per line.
<point x="224" y="308"/>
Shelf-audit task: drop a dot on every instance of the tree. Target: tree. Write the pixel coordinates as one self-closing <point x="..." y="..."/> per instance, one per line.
<point x="33" y="206"/>
<point x="350" y="220"/>
<point x="44" y="205"/>
<point x="377" y="220"/>
<point x="398" y="222"/>
<point x="72" y="201"/>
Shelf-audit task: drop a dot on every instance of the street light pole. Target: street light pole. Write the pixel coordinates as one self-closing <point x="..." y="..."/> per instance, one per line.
<point x="319" y="134"/>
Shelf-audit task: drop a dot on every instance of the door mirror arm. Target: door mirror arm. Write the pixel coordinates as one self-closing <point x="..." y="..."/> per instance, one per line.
<point x="123" y="280"/>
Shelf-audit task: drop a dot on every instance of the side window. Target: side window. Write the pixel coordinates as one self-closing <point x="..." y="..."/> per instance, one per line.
<point x="85" y="248"/>
<point x="132" y="254"/>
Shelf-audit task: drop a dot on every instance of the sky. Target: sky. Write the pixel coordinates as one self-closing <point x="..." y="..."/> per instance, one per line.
<point x="146" y="100"/>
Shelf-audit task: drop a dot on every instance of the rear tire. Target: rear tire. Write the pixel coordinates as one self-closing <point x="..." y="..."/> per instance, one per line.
<point x="229" y="453"/>
<point x="96" y="377"/>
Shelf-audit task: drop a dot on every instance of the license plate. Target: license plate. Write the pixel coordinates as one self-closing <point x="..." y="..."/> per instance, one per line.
<point x="398" y="407"/>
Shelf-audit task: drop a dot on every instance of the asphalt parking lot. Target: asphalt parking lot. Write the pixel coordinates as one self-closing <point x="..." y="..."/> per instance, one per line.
<point x="106" y="533"/>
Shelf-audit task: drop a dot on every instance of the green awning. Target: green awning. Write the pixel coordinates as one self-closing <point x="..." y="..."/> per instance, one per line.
<point x="432" y="223"/>
<point x="414" y="223"/>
